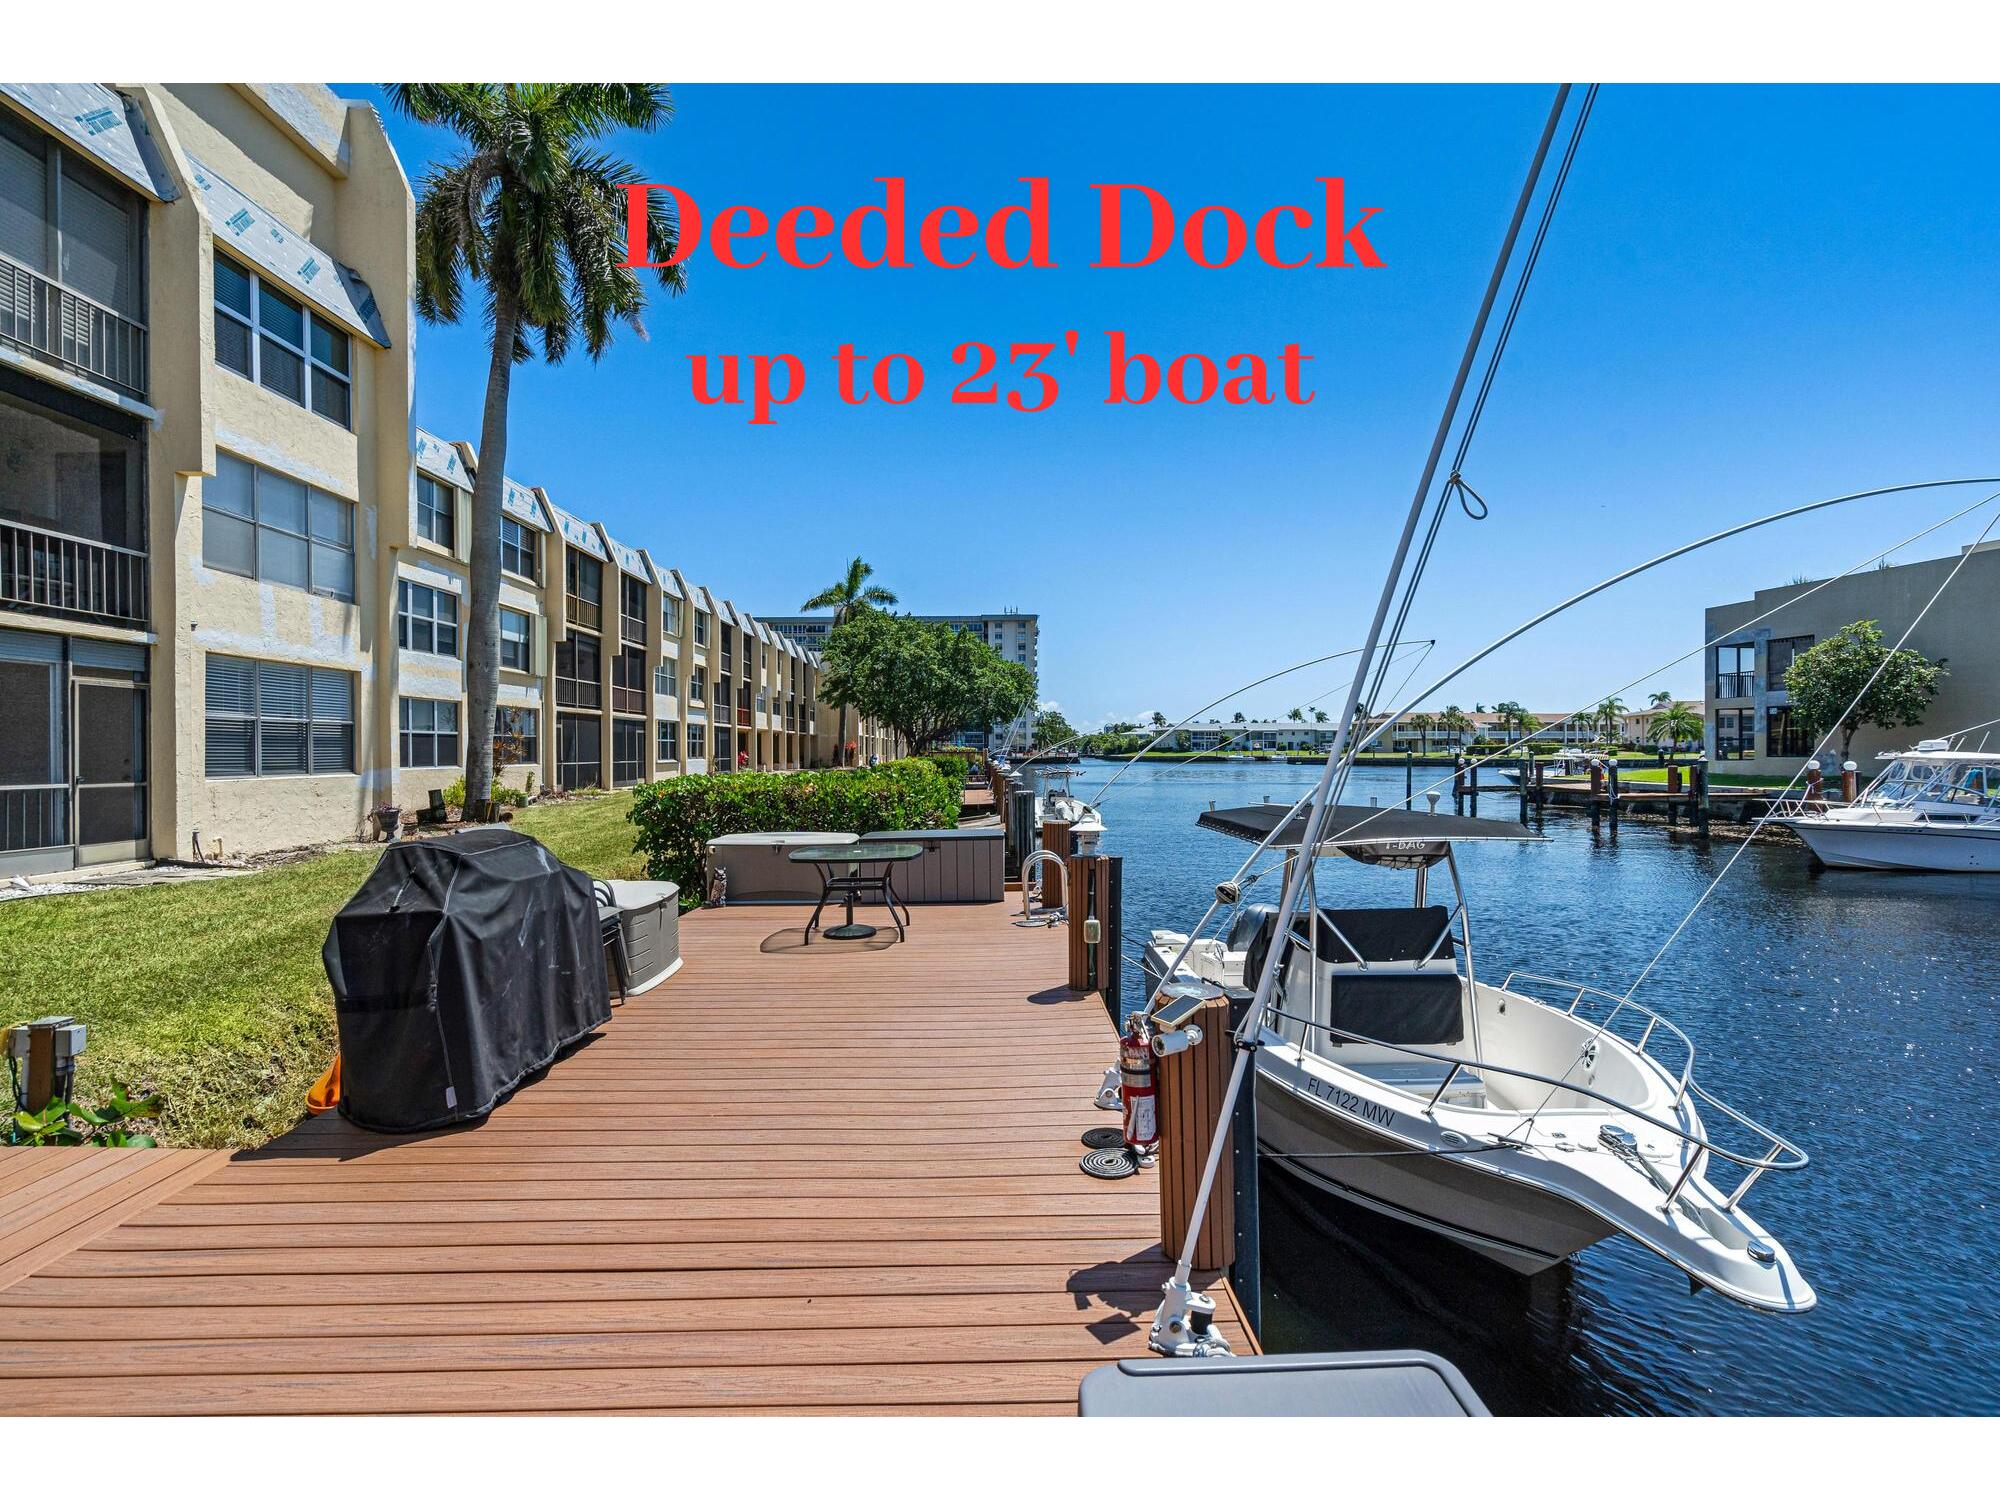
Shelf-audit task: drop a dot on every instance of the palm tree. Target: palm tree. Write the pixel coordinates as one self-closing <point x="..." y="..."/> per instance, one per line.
<point x="1661" y="699"/>
<point x="1423" y="724"/>
<point x="1606" y="716"/>
<point x="1159" y="719"/>
<point x="850" y="592"/>
<point x="1678" y="724"/>
<point x="1297" y="716"/>
<point x="1454" y="722"/>
<point x="531" y="211"/>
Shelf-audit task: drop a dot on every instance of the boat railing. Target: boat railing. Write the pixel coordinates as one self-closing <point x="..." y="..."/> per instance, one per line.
<point x="1775" y="1154"/>
<point x="1590" y="999"/>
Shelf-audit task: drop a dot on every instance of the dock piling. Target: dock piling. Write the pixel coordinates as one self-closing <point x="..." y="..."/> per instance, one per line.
<point x="1191" y="1085"/>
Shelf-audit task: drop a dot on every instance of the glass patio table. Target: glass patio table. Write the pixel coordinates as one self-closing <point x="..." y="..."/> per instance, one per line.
<point x="844" y="871"/>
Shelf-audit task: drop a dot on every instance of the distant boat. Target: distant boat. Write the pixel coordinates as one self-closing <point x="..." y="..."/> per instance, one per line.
<point x="1934" y="809"/>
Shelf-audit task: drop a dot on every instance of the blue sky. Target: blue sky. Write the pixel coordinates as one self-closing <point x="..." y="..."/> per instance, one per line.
<point x="1751" y="297"/>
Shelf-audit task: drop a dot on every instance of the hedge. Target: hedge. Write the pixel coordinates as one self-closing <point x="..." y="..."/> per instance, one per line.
<point x="677" y="818"/>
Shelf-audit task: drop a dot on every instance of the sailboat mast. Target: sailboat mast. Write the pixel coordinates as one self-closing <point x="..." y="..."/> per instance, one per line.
<point x="1171" y="1326"/>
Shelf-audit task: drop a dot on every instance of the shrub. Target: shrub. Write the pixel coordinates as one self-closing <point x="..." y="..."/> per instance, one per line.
<point x="503" y="796"/>
<point x="677" y="818"/>
<point x="951" y="765"/>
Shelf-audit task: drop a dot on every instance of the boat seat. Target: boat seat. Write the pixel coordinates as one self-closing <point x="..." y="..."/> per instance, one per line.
<point x="1421" y="1076"/>
<point x="1411" y="1010"/>
<point x="1381" y="935"/>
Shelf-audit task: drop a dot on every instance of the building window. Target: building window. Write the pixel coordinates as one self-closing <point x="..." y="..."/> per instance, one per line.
<point x="1784" y="734"/>
<point x="628" y="681"/>
<point x="267" y="718"/>
<point x="666" y="681"/>
<point x="698" y="684"/>
<point x="1778" y="657"/>
<point x="670" y="617"/>
<point x="429" y="732"/>
<point x="632" y="610"/>
<point x="723" y="762"/>
<point x="697" y="741"/>
<point x="670" y="742"/>
<point x="700" y="628"/>
<point x="520" y="550"/>
<point x="579" y="751"/>
<point x="583" y="582"/>
<point x="517" y="641"/>
<point x="262" y="524"/>
<point x="426" y="619"/>
<point x="1735" y="734"/>
<point x="628" y="751"/>
<point x="728" y="649"/>
<point x="517" y="739"/>
<point x="437" y="512"/>
<point x="1735" y="670"/>
<point x="266" y="336"/>
<point x="578" y="673"/>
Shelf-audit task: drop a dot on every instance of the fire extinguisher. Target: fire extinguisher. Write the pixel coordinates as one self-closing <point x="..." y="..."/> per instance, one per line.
<point x="1136" y="1091"/>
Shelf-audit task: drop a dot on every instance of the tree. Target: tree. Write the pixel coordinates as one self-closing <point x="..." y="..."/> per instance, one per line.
<point x="531" y="211"/>
<point x="1319" y="716"/>
<point x="1661" y="699"/>
<point x="1678" y="724"/>
<point x="1052" y="729"/>
<point x="925" y="680"/>
<point x="1119" y="726"/>
<point x="1510" y="715"/>
<point x="1237" y="717"/>
<point x="1423" y="724"/>
<point x="1606" y="717"/>
<point x="1159" y="719"/>
<point x="1826" y="683"/>
<point x="1297" y="716"/>
<point x="850" y="592"/>
<point x="1454" y="722"/>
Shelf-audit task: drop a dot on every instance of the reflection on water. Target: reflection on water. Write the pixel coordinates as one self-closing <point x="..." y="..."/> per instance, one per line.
<point x="1856" y="1013"/>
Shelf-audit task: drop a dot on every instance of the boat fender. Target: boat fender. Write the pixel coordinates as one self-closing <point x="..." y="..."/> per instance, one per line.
<point x="1136" y="1090"/>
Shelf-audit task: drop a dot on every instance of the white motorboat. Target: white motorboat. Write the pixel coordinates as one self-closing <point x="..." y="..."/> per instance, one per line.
<point x="1058" y="804"/>
<point x="1526" y="1119"/>
<point x="1934" y="808"/>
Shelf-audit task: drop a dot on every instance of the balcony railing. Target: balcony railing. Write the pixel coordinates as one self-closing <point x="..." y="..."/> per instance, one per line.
<point x="1735" y="684"/>
<point x="627" y="700"/>
<point x="33" y="817"/>
<point x="71" y="575"/>
<point x="584" y="612"/>
<point x="49" y="319"/>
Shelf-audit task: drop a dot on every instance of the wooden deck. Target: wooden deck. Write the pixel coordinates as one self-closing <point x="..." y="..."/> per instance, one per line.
<point x="831" y="1179"/>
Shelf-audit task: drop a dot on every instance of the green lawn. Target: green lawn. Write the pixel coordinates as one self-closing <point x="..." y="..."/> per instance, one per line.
<point x="212" y="992"/>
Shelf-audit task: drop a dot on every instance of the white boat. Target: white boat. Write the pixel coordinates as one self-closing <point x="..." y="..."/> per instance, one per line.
<point x="1058" y="804"/>
<point x="1526" y="1119"/>
<point x="1934" y="808"/>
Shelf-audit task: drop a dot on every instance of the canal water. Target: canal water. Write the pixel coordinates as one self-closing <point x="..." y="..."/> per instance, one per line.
<point x="1857" y="1014"/>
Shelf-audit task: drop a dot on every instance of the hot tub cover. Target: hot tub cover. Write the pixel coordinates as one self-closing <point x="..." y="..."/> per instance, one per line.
<point x="462" y="965"/>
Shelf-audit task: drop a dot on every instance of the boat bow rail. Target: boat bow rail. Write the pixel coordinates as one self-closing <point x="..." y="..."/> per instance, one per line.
<point x="1775" y="1155"/>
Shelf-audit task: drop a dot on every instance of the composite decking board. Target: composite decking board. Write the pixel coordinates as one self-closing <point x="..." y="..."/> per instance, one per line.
<point x="134" y="1179"/>
<point x="835" y="1180"/>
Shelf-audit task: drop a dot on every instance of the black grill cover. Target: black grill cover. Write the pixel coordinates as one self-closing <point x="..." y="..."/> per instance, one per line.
<point x="462" y="965"/>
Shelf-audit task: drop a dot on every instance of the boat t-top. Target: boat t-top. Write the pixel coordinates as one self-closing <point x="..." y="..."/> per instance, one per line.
<point x="1933" y="808"/>
<point x="1525" y="1119"/>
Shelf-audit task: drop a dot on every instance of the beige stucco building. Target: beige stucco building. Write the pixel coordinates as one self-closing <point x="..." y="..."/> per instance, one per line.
<point x="232" y="572"/>
<point x="1751" y="724"/>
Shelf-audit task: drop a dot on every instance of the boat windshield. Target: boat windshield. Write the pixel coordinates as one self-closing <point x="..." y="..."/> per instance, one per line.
<point x="1908" y="781"/>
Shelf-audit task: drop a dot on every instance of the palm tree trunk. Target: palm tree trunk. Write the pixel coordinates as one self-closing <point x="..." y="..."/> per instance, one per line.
<point x="482" y="632"/>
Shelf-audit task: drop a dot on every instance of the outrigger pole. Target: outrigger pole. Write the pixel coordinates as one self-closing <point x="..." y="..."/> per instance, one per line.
<point x="1183" y="1325"/>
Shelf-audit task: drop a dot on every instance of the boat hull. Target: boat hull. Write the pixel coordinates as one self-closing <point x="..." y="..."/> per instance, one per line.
<point x="1511" y="1222"/>
<point x="1888" y="846"/>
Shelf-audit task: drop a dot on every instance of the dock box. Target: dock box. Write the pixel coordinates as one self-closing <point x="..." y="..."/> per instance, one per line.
<point x="650" y="912"/>
<point x="957" y="865"/>
<point x="756" y="868"/>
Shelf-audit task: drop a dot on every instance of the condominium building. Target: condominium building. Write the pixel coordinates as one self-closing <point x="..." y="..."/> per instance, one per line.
<point x="1751" y="722"/>
<point x="232" y="574"/>
<point x="1012" y="634"/>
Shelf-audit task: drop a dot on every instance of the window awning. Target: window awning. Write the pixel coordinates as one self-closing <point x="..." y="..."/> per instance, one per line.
<point x="101" y="125"/>
<point x="520" y="502"/>
<point x="578" y="535"/>
<point x="628" y="559"/>
<point x="441" y="461"/>
<point x="290" y="260"/>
